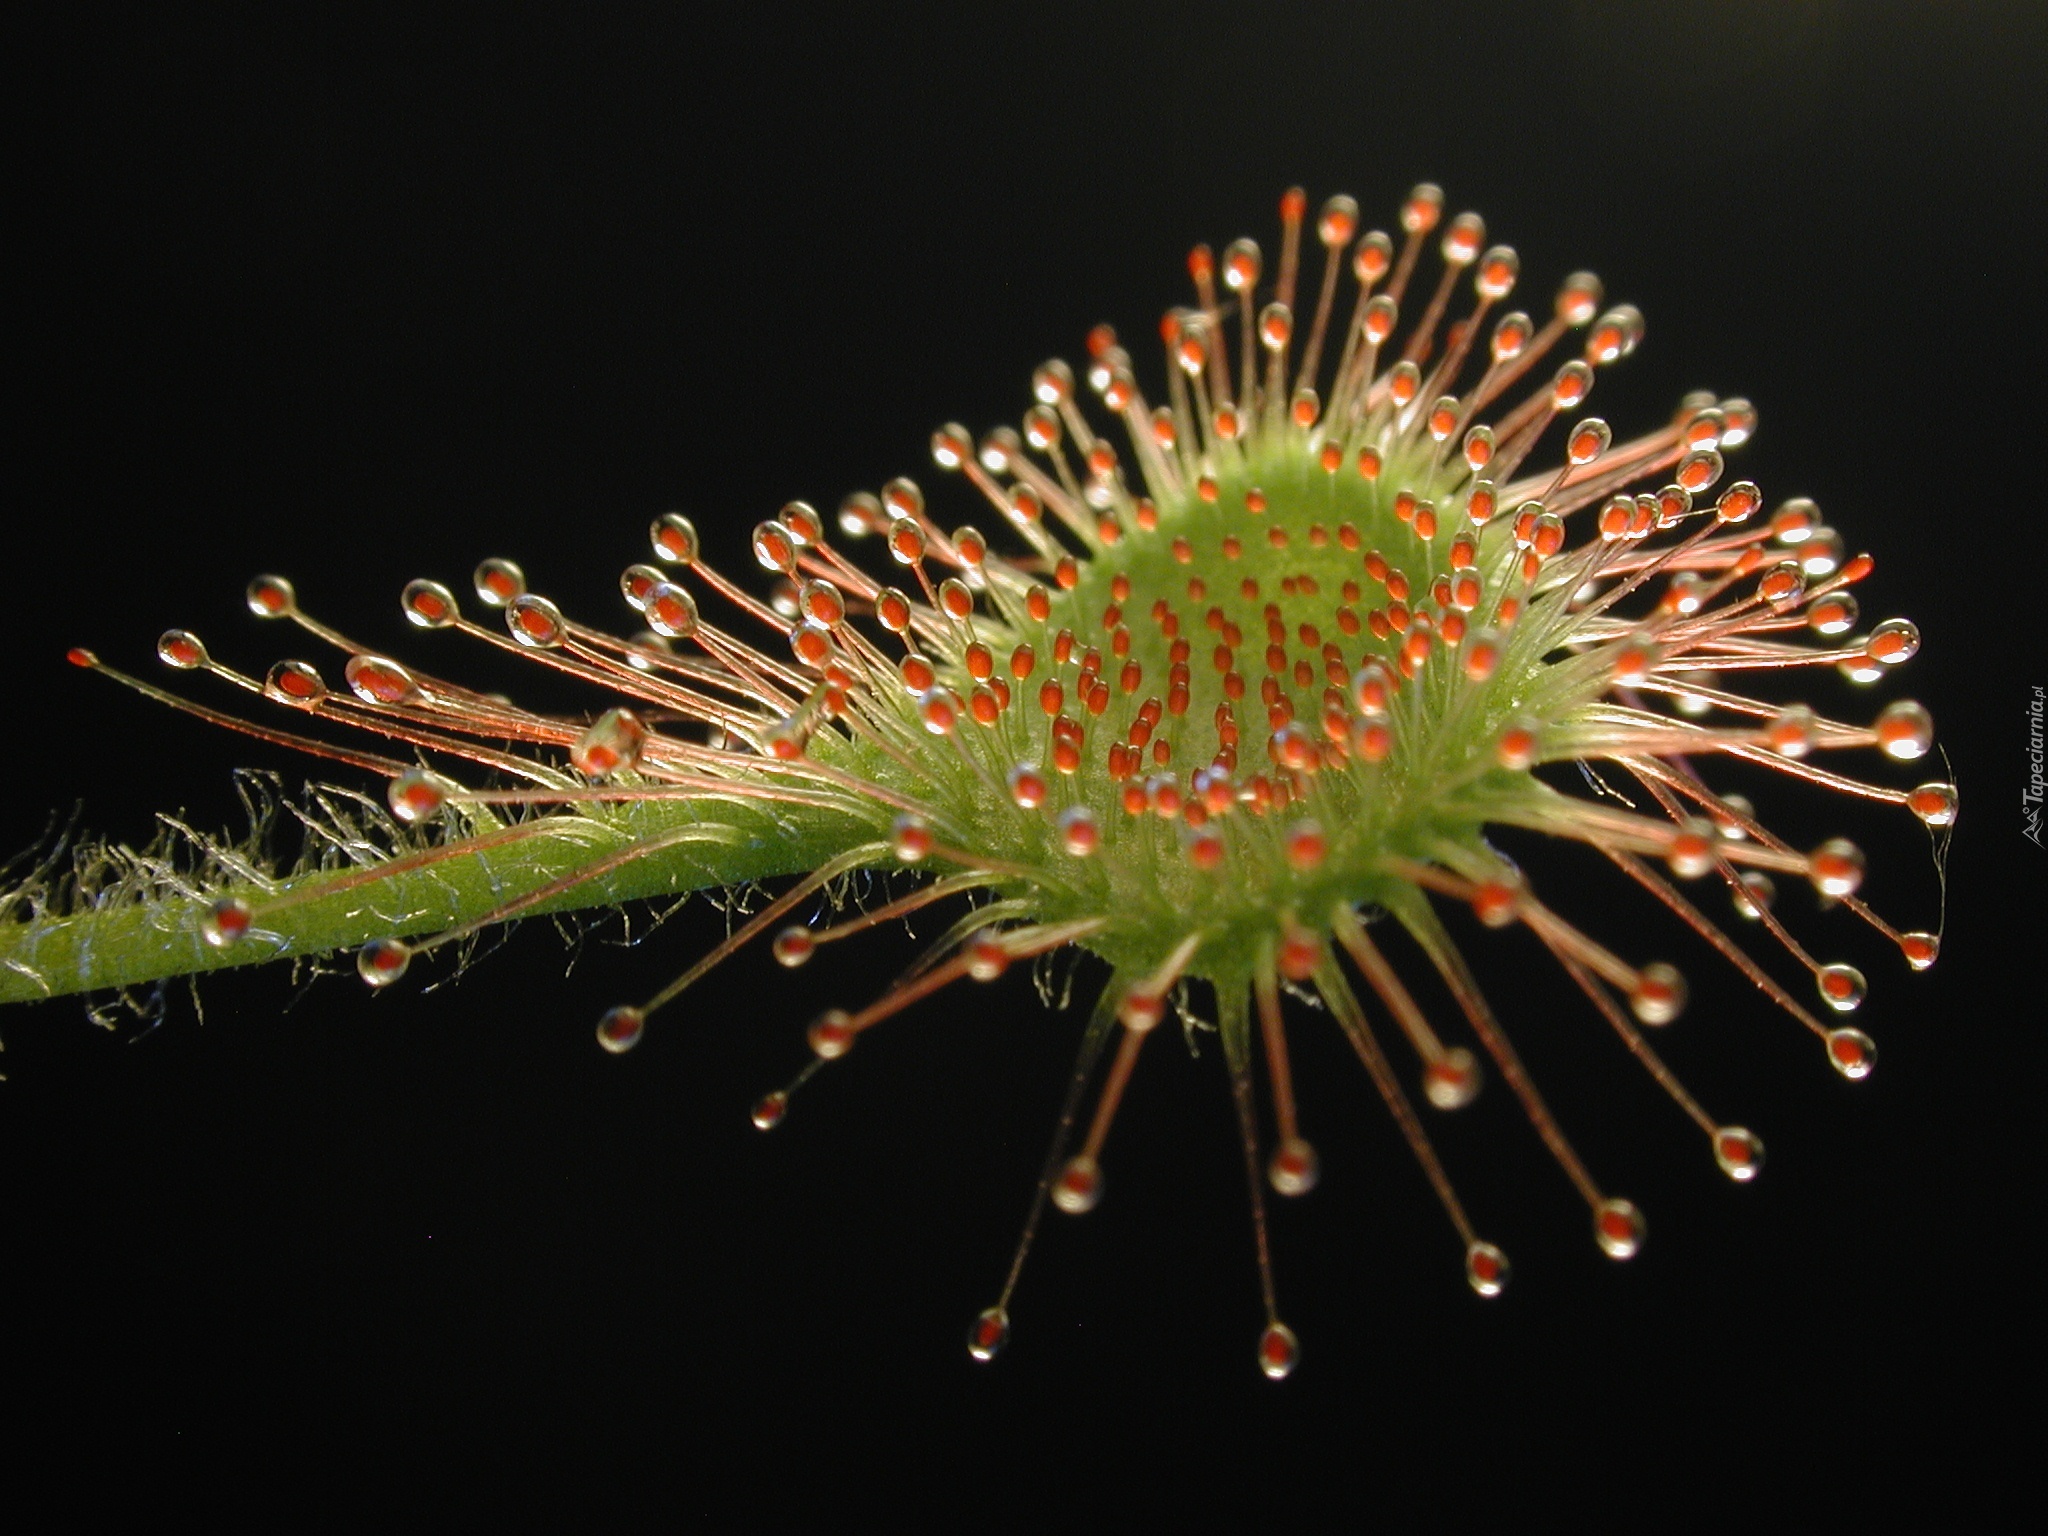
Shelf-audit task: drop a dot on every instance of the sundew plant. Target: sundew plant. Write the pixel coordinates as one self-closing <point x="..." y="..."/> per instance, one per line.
<point x="1226" y="685"/>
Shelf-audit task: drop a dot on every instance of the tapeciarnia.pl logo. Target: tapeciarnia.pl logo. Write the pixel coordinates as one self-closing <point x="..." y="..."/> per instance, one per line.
<point x="2030" y="797"/>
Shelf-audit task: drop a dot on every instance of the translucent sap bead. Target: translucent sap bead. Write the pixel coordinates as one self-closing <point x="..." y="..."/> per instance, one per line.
<point x="295" y="683"/>
<point x="1920" y="949"/>
<point x="1934" y="804"/>
<point x="1852" y="1052"/>
<point x="382" y="961"/>
<point x="1790" y="731"/>
<point x="1616" y="334"/>
<point x="1833" y="615"/>
<point x="986" y="956"/>
<point x="1841" y="987"/>
<point x="1905" y="730"/>
<point x="1893" y="641"/>
<point x="803" y="522"/>
<point x="860" y="514"/>
<point x="1486" y="1269"/>
<point x="497" y="582"/>
<point x="620" y="1029"/>
<point x="1658" y="996"/>
<point x="1692" y="849"/>
<point x="911" y="838"/>
<point x="1279" y="1352"/>
<point x="224" y="923"/>
<point x="1452" y="1080"/>
<point x="416" y="796"/>
<point x="1794" y="522"/>
<point x="1079" y="832"/>
<point x="794" y="945"/>
<point x="988" y="1334"/>
<point x="428" y="605"/>
<point x="775" y="548"/>
<point x="1294" y="1167"/>
<point x="769" y="1110"/>
<point x="182" y="649"/>
<point x="1736" y="806"/>
<point x="1027" y="786"/>
<point x="1836" y="867"/>
<point x="1821" y="554"/>
<point x="1618" y="1228"/>
<point x="1757" y="893"/>
<point x="536" y="623"/>
<point x="1739" y="1151"/>
<point x="1141" y="1010"/>
<point x="271" y="597"/>
<point x="674" y="538"/>
<point x="637" y="584"/>
<point x="379" y="680"/>
<point x="1078" y="1187"/>
<point x="612" y="745"/>
<point x="832" y="1034"/>
<point x="1578" y="298"/>
<point x="671" y="612"/>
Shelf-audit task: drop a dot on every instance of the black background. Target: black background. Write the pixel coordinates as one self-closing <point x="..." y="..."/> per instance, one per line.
<point x="363" y="301"/>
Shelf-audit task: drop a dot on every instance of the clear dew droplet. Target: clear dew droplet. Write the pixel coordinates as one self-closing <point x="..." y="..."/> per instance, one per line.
<point x="620" y="1029"/>
<point x="1739" y="1151"/>
<point x="988" y="1333"/>
<point x="1618" y="1228"/>
<point x="1279" y="1351"/>
<point x="1486" y="1269"/>
<point x="382" y="961"/>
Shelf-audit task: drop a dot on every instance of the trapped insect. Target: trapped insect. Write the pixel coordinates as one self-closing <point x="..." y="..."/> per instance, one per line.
<point x="1231" y="692"/>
